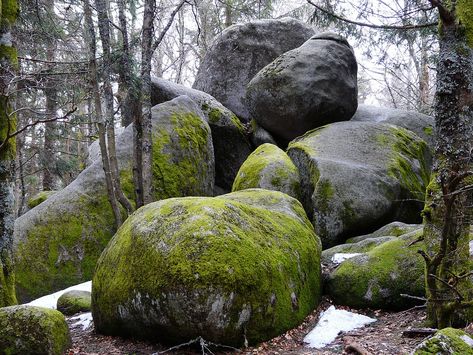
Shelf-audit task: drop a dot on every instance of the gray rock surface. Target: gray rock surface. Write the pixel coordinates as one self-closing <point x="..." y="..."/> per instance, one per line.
<point x="242" y="267"/>
<point x="240" y="51"/>
<point x="305" y="88"/>
<point x="420" y="124"/>
<point x="394" y="229"/>
<point x="230" y="141"/>
<point x="57" y="243"/>
<point x="73" y="302"/>
<point x="260" y="136"/>
<point x="359" y="176"/>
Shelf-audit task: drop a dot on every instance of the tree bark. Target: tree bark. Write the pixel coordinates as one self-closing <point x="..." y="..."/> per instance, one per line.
<point x="448" y="209"/>
<point x="8" y="65"/>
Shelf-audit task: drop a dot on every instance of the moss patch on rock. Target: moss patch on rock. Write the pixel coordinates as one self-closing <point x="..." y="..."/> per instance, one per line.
<point x="39" y="198"/>
<point x="377" y="278"/>
<point x="269" y="167"/>
<point x="446" y="341"/>
<point x="73" y="302"/>
<point x="240" y="266"/>
<point x="33" y="330"/>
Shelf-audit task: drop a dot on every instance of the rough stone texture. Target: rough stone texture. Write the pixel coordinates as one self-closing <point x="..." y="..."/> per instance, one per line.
<point x="359" y="176"/>
<point x="73" y="302"/>
<point x="93" y="151"/>
<point x="269" y="167"/>
<point x="448" y="341"/>
<point x="230" y="141"/>
<point x="260" y="136"/>
<point x="33" y="330"/>
<point x="305" y="88"/>
<point x="394" y="229"/>
<point x="240" y="52"/>
<point x="57" y="243"/>
<point x="240" y="266"/>
<point x="377" y="279"/>
<point x="420" y="124"/>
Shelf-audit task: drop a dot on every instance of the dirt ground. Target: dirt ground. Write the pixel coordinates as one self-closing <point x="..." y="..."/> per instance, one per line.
<point x="381" y="337"/>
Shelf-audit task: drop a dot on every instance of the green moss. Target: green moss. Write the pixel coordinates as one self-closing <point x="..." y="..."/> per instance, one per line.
<point x="63" y="250"/>
<point x="446" y="341"/>
<point x="429" y="130"/>
<point x="9" y="11"/>
<point x="464" y="9"/>
<point x="33" y="330"/>
<point x="74" y="302"/>
<point x="325" y="192"/>
<point x="181" y="157"/>
<point x="210" y="249"/>
<point x="377" y="278"/>
<point x="39" y="198"/>
<point x="268" y="167"/>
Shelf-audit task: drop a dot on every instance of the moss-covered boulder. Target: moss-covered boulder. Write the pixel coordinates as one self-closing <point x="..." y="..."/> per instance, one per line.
<point x="377" y="278"/>
<point x="57" y="243"/>
<point x="33" y="330"/>
<point x="242" y="266"/>
<point x="39" y="198"/>
<point x="73" y="302"/>
<point x="229" y="136"/>
<point x="359" y="176"/>
<point x="448" y="341"/>
<point x="393" y="229"/>
<point x="269" y="167"/>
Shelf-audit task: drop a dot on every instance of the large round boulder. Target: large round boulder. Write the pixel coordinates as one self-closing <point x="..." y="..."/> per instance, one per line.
<point x="73" y="302"/>
<point x="239" y="267"/>
<point x="229" y="136"/>
<point x="447" y="341"/>
<point x="240" y="51"/>
<point x="420" y="124"/>
<point x="33" y="330"/>
<point x="359" y="176"/>
<point x="269" y="167"/>
<point x="378" y="278"/>
<point x="57" y="243"/>
<point x="305" y="88"/>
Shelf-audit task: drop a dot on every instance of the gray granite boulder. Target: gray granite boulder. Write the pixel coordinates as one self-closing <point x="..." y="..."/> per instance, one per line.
<point x="242" y="267"/>
<point x="305" y="88"/>
<point x="420" y="124"/>
<point x="239" y="52"/>
<point x="57" y="243"/>
<point x="229" y="136"/>
<point x="359" y="176"/>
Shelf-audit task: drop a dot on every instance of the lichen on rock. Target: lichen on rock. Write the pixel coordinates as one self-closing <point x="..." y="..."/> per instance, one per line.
<point x="242" y="266"/>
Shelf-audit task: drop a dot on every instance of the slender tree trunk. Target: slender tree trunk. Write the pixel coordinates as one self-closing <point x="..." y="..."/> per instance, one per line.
<point x="98" y="112"/>
<point x="8" y="65"/>
<point x="104" y="27"/>
<point x="144" y="125"/>
<point x="448" y="211"/>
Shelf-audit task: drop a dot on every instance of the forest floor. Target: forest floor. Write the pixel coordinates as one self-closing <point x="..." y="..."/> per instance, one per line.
<point x="382" y="337"/>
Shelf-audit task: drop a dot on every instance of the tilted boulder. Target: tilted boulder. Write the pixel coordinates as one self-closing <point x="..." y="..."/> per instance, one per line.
<point x="359" y="176"/>
<point x="57" y="243"/>
<point x="420" y="124"/>
<point x="305" y="88"/>
<point x="239" y="267"/>
<point x="378" y="278"/>
<point x="33" y="330"/>
<point x="446" y="341"/>
<point x="239" y="52"/>
<point x="230" y="141"/>
<point x="269" y="167"/>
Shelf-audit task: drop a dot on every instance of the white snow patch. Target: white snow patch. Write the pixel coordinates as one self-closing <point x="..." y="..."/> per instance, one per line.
<point x="471" y="248"/>
<point x="84" y="320"/>
<point x="333" y="321"/>
<point x="338" y="258"/>
<point x="50" y="301"/>
<point x="467" y="340"/>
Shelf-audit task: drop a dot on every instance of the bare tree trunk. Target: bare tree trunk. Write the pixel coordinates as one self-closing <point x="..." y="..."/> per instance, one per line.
<point x="104" y="27"/>
<point x="448" y="211"/>
<point x="9" y="64"/>
<point x="98" y="112"/>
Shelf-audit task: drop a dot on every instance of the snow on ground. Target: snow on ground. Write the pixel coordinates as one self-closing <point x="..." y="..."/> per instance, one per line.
<point x="332" y="321"/>
<point x="84" y="320"/>
<point x="338" y="258"/>
<point x="50" y="301"/>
